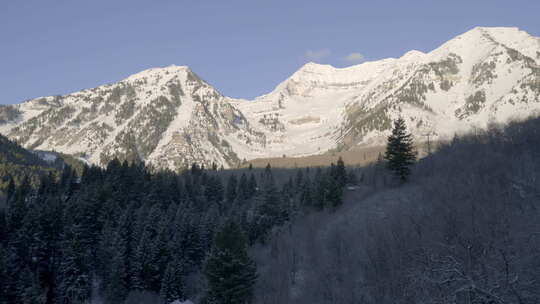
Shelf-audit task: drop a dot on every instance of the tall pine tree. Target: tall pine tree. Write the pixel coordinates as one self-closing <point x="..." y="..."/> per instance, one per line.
<point x="232" y="185"/>
<point x="230" y="272"/>
<point x="172" y="284"/>
<point x="340" y="173"/>
<point x="400" y="153"/>
<point x="75" y="276"/>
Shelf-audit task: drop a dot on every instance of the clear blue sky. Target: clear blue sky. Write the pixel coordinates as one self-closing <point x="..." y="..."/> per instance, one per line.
<point x="243" y="48"/>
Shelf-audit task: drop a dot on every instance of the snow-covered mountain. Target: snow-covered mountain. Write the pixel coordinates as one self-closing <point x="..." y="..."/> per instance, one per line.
<point x="485" y="75"/>
<point x="170" y="118"/>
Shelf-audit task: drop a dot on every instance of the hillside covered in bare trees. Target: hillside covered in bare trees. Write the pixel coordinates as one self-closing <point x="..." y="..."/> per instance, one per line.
<point x="465" y="229"/>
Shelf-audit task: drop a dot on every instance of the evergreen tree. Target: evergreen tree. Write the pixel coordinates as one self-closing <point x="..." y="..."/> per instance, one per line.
<point x="214" y="189"/>
<point x="17" y="206"/>
<point x="10" y="190"/>
<point x="230" y="272"/>
<point x="83" y="210"/>
<point x="159" y="255"/>
<point x="187" y="240"/>
<point x="243" y="188"/>
<point x="4" y="277"/>
<point x="146" y="262"/>
<point x="172" y="284"/>
<point x="195" y="169"/>
<point x="32" y="292"/>
<point x="114" y="167"/>
<point x="340" y="173"/>
<point x="306" y="196"/>
<point x="334" y="192"/>
<point x="68" y="181"/>
<point x="320" y="185"/>
<point x="47" y="184"/>
<point x="44" y="226"/>
<point x="272" y="212"/>
<point x="117" y="273"/>
<point x="299" y="178"/>
<point x="3" y="227"/>
<point x="76" y="281"/>
<point x="400" y="153"/>
<point x="232" y="185"/>
<point x="289" y="188"/>
<point x="13" y="282"/>
<point x="252" y="185"/>
<point x="116" y="286"/>
<point x="268" y="169"/>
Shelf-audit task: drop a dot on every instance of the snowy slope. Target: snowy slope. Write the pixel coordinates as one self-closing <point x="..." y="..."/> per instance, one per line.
<point x="478" y="78"/>
<point x="170" y="118"/>
<point x="301" y="116"/>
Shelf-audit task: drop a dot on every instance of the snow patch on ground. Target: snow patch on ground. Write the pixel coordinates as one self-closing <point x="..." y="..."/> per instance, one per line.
<point x="180" y="302"/>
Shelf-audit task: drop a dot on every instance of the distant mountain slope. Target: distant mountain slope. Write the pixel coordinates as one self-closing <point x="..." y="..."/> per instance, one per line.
<point x="168" y="117"/>
<point x="12" y="153"/>
<point x="485" y="75"/>
<point x="171" y="118"/>
<point x="18" y="162"/>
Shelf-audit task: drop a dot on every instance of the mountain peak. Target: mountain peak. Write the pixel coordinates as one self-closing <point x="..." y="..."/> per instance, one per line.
<point x="313" y="67"/>
<point x="160" y="72"/>
<point x="413" y="55"/>
<point x="503" y="35"/>
<point x="495" y="29"/>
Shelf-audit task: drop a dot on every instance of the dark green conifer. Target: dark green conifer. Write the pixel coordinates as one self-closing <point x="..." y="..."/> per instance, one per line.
<point x="75" y="268"/>
<point x="400" y="153"/>
<point x="341" y="173"/>
<point x="232" y="185"/>
<point x="252" y="185"/>
<point x="320" y="186"/>
<point x="230" y="272"/>
<point x="334" y="193"/>
<point x="243" y="188"/>
<point x="299" y="180"/>
<point x="173" y="282"/>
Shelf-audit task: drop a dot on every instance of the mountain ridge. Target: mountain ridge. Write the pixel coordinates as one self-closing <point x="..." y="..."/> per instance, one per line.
<point x="170" y="117"/>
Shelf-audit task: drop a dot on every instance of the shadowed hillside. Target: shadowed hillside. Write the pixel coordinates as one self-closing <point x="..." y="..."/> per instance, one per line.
<point x="17" y="163"/>
<point x="464" y="230"/>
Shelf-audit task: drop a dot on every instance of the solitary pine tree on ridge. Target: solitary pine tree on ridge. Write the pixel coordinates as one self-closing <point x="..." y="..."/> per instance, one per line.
<point x="400" y="153"/>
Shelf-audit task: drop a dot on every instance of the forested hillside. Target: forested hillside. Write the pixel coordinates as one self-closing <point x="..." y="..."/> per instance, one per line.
<point x="121" y="233"/>
<point x="463" y="229"/>
<point x="20" y="165"/>
<point x="17" y="162"/>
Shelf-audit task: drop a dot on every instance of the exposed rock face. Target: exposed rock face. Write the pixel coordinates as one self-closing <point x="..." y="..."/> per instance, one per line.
<point x="171" y="118"/>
